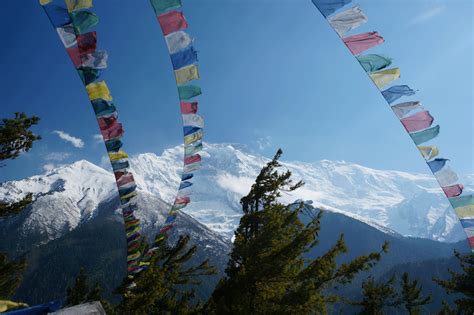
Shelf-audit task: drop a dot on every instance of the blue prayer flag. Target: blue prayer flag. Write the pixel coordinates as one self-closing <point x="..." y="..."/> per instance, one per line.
<point x="395" y="92"/>
<point x="184" y="58"/>
<point x="328" y="7"/>
<point x="437" y="164"/>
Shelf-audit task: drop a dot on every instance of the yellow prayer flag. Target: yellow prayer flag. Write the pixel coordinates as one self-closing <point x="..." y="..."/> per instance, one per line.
<point x="73" y="5"/>
<point x="384" y="77"/>
<point x="193" y="137"/>
<point x="465" y="212"/>
<point x="114" y="156"/>
<point x="6" y="305"/>
<point x="98" y="90"/>
<point x="130" y="195"/>
<point x="186" y="74"/>
<point x="428" y="152"/>
<point x="44" y="2"/>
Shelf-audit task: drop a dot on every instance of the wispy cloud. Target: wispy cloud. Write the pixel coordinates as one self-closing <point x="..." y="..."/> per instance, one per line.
<point x="98" y="138"/>
<point x="78" y="143"/>
<point x="57" y="156"/>
<point x="427" y="15"/>
<point x="263" y="142"/>
<point x="48" y="167"/>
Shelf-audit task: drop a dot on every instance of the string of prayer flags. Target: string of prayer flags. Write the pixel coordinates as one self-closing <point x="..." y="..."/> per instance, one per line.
<point x="74" y="25"/>
<point x="184" y="60"/>
<point x="416" y="121"/>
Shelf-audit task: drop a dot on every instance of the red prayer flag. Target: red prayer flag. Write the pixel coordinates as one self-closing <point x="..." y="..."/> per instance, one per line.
<point x="87" y="42"/>
<point x="453" y="190"/>
<point x="125" y="179"/>
<point x="189" y="108"/>
<point x="417" y="122"/>
<point x="192" y="159"/>
<point x="105" y="122"/>
<point x="172" y="21"/>
<point x="182" y="201"/>
<point x="361" y="42"/>
<point x="471" y="241"/>
<point x="75" y="56"/>
<point x="113" y="131"/>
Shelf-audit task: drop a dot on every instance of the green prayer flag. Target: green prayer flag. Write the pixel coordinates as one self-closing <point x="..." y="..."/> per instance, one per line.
<point x="83" y="21"/>
<point x="88" y="75"/>
<point x="462" y="201"/>
<point x="425" y="135"/>
<point x="161" y="6"/>
<point x="187" y="92"/>
<point x="373" y="62"/>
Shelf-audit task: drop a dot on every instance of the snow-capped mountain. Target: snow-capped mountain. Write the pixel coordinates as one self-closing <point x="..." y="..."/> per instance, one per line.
<point x="410" y="204"/>
<point x="64" y="197"/>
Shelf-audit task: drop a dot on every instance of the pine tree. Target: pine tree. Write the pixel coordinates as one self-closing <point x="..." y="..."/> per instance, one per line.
<point x="267" y="273"/>
<point x="163" y="288"/>
<point x="81" y="292"/>
<point x="411" y="297"/>
<point x="461" y="283"/>
<point x="377" y="296"/>
<point x="15" y="138"/>
<point x="10" y="275"/>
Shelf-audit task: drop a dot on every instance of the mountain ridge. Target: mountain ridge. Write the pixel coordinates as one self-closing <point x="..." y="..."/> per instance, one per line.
<point x="393" y="201"/>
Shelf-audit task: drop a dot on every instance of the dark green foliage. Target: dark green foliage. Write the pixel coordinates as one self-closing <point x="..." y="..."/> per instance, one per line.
<point x="267" y="272"/>
<point x="81" y="292"/>
<point x="10" y="275"/>
<point x="163" y="288"/>
<point x="15" y="136"/>
<point x="411" y="297"/>
<point x="377" y="296"/>
<point x="9" y="209"/>
<point x="461" y="283"/>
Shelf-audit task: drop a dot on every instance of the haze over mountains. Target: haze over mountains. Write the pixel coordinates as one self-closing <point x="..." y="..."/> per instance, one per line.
<point x="409" y="204"/>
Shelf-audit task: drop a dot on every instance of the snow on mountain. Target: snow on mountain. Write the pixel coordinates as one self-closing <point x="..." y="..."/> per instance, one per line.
<point x="63" y="198"/>
<point x="409" y="204"/>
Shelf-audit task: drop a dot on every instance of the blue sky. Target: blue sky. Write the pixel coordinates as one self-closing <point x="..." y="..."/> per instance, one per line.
<point x="273" y="75"/>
